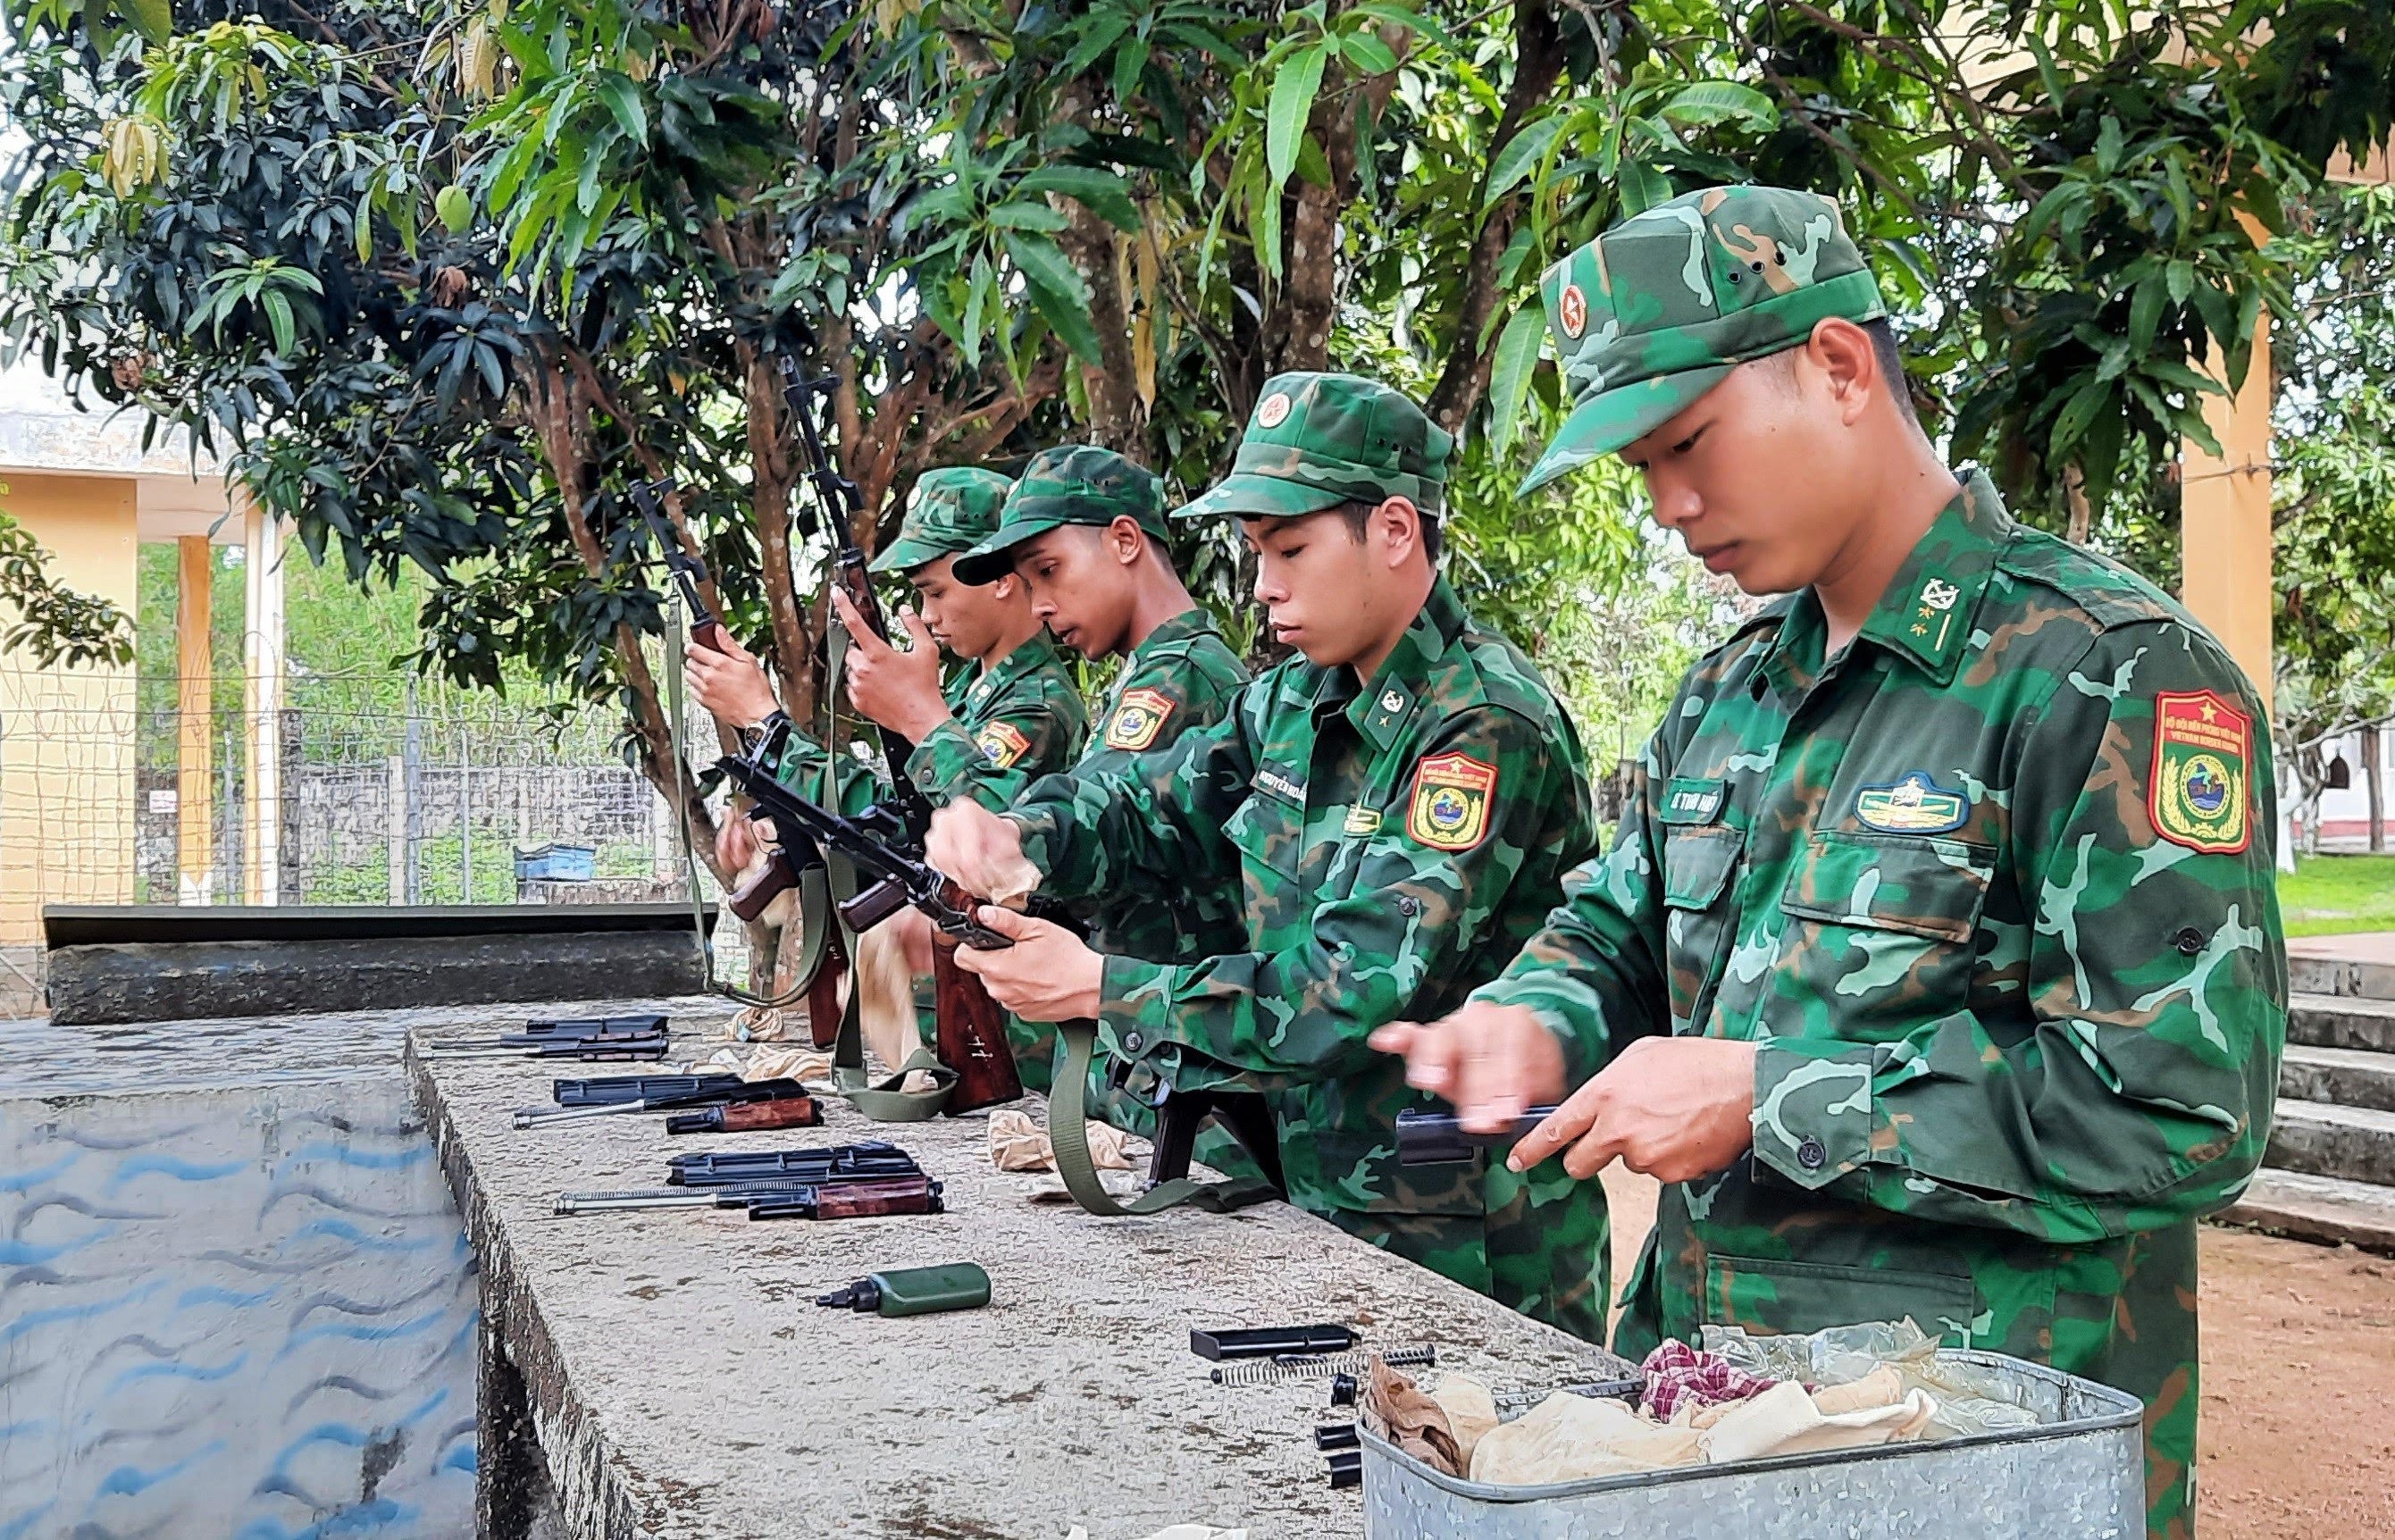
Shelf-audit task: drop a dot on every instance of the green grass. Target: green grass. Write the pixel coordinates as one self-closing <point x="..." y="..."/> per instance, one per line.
<point x="2336" y="894"/>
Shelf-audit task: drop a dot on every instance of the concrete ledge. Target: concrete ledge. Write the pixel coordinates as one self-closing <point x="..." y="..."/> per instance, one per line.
<point x="2315" y="966"/>
<point x="2346" y="1077"/>
<point x="2356" y="1144"/>
<point x="2341" y="1021"/>
<point x="150" y="981"/>
<point x="675" y="1380"/>
<point x="2319" y="1208"/>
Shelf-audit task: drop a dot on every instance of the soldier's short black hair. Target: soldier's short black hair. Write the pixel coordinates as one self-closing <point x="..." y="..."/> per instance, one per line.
<point x="1884" y="348"/>
<point x="1357" y="513"/>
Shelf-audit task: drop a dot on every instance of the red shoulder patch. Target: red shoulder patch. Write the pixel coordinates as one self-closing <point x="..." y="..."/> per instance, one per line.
<point x="1449" y="809"/>
<point x="2199" y="792"/>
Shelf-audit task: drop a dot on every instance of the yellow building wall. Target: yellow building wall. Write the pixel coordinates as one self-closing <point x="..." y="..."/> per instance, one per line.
<point x="66" y="735"/>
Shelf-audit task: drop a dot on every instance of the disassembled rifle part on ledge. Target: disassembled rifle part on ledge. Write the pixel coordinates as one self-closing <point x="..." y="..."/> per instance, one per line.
<point x="1290" y="1366"/>
<point x="1270" y="1341"/>
<point x="914" y="1291"/>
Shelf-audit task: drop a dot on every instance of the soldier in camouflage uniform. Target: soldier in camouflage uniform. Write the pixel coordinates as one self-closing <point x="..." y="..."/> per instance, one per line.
<point x="1938" y="961"/>
<point x="1083" y="530"/>
<point x="1017" y="711"/>
<point x="1400" y="802"/>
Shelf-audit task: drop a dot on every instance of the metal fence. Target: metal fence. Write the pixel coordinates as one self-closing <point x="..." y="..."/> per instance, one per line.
<point x="387" y="793"/>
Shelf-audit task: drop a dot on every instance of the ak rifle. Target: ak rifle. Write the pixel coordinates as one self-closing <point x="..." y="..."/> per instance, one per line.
<point x="971" y="1039"/>
<point x="688" y="571"/>
<point x="839" y="503"/>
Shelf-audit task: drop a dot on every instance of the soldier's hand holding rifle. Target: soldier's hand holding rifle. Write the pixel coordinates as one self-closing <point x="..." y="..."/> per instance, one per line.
<point x="898" y="688"/>
<point x="730" y="683"/>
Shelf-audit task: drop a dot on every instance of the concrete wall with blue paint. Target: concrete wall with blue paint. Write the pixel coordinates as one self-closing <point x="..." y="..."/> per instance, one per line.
<point x="242" y="1310"/>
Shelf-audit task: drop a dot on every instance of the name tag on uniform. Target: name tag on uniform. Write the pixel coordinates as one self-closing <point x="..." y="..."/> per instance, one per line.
<point x="1693" y="799"/>
<point x="1269" y="779"/>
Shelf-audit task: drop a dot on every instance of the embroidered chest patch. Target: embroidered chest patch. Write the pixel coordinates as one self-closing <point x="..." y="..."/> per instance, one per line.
<point x="1450" y="810"/>
<point x="1138" y="718"/>
<point x="1003" y="742"/>
<point x="2197" y="793"/>
<point x="1913" y="804"/>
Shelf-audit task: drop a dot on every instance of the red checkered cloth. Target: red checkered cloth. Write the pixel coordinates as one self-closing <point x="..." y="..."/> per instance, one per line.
<point x="1680" y="1375"/>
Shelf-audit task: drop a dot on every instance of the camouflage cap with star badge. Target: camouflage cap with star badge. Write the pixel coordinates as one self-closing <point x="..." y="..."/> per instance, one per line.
<point x="1657" y="311"/>
<point x="1075" y="484"/>
<point x="1315" y="441"/>
<point x="954" y="508"/>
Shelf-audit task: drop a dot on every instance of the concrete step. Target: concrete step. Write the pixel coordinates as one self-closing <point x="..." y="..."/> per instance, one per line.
<point x="2341" y="1021"/>
<point x="2344" y="1077"/>
<point x="2356" y="1144"/>
<point x="2319" y="1208"/>
<point x="2354" y="977"/>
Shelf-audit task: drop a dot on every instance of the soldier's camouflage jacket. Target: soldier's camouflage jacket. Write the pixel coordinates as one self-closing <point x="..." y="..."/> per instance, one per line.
<point x="1394" y="846"/>
<point x="1023" y="716"/>
<point x="1995" y="890"/>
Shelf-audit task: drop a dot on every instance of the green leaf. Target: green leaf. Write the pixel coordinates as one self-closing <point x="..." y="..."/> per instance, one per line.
<point x="1102" y="192"/>
<point x="2045" y="70"/>
<point x="1293" y="90"/>
<point x="278" y="316"/>
<point x="2146" y="311"/>
<point x="1520" y="156"/>
<point x="1019" y="215"/>
<point x="2072" y="421"/>
<point x="1040" y="261"/>
<point x="1070" y="317"/>
<point x="2110" y="145"/>
<point x="1096" y="39"/>
<point x="1721" y="101"/>
<point x="1131" y="60"/>
<point x="1509" y="374"/>
<point x="154" y="19"/>
<point x="623" y="99"/>
<point x="1642" y="187"/>
<point x="1369" y="54"/>
<point x="1411" y="20"/>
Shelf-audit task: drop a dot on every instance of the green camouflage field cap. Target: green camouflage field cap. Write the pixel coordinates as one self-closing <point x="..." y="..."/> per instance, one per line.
<point x="1315" y="441"/>
<point x="954" y="508"/>
<point x="1657" y="311"/>
<point x="1072" y="484"/>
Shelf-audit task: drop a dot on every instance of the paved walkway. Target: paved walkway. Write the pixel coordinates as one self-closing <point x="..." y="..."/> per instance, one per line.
<point x="2360" y="947"/>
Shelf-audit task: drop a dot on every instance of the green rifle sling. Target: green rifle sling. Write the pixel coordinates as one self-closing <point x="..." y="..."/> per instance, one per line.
<point x="1069" y="1131"/>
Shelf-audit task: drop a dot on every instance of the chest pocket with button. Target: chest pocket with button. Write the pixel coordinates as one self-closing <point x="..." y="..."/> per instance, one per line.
<point x="1881" y="926"/>
<point x="1700" y="857"/>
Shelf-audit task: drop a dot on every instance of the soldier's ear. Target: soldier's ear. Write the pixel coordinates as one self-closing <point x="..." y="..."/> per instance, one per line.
<point x="1399" y="523"/>
<point x="1125" y="540"/>
<point x="1842" y="353"/>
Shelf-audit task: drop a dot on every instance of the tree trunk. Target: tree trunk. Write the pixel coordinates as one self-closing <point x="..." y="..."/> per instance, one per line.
<point x="2074" y="492"/>
<point x="2374" y="770"/>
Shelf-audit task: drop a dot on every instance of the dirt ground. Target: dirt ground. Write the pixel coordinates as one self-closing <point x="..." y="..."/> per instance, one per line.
<point x="2298" y="1433"/>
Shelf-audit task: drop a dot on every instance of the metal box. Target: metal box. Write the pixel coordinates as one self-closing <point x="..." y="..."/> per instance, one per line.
<point x="2078" y="1475"/>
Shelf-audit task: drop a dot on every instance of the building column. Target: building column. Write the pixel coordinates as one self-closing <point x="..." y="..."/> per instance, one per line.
<point x="262" y="664"/>
<point x="194" y="674"/>
<point x="2225" y="519"/>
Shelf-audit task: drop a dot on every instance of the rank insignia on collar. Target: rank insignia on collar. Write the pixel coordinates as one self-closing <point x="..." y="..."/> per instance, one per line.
<point x="1138" y="718"/>
<point x="1913" y="804"/>
<point x="1003" y="742"/>
<point x="1450" y="810"/>
<point x="2196" y="794"/>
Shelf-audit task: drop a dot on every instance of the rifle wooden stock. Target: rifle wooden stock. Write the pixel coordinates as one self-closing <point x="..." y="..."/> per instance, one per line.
<point x="771" y="880"/>
<point x="823" y="995"/>
<point x="972" y="1037"/>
